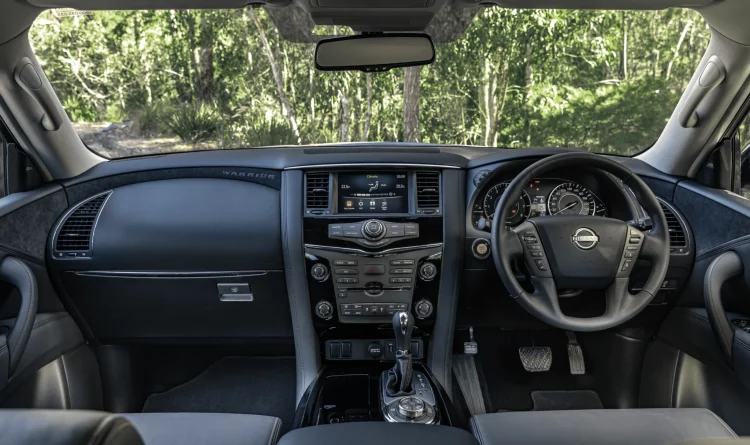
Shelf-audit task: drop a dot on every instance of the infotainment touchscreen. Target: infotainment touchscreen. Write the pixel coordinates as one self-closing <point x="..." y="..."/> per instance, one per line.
<point x="373" y="192"/>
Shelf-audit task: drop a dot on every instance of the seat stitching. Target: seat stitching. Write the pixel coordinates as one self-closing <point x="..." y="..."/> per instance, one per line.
<point x="50" y="320"/>
<point x="477" y="430"/>
<point x="274" y="432"/>
<point x="721" y="421"/>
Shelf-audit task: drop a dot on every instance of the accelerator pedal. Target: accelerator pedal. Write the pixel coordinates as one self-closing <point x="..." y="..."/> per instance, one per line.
<point x="575" y="355"/>
<point x="536" y="358"/>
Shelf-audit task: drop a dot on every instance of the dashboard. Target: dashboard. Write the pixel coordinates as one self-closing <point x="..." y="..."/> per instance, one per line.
<point x="393" y="228"/>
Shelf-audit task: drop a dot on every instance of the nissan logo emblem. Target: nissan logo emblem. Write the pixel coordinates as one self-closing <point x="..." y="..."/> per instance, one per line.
<point x="585" y="239"/>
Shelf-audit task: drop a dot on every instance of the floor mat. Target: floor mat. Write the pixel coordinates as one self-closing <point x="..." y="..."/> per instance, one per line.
<point x="565" y="400"/>
<point x="509" y="385"/>
<point x="242" y="385"/>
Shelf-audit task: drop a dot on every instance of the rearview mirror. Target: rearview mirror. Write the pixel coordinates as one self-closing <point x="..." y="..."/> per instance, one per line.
<point x="374" y="52"/>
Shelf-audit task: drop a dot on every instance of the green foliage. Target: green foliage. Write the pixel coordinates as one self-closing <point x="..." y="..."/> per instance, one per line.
<point x="194" y="122"/>
<point x="598" y="80"/>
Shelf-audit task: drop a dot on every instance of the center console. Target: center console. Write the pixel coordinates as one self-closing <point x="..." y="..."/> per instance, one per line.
<point x="373" y="245"/>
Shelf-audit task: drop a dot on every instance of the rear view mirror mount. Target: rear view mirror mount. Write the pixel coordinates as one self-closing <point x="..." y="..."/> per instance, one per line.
<point x="374" y="52"/>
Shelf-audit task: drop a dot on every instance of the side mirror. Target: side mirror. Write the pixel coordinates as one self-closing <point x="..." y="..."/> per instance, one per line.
<point x="374" y="52"/>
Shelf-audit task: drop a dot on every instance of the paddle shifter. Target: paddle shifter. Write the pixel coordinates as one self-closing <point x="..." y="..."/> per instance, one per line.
<point x="407" y="395"/>
<point x="400" y="376"/>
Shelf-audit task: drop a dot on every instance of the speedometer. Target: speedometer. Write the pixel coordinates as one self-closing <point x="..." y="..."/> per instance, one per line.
<point x="519" y="212"/>
<point x="570" y="198"/>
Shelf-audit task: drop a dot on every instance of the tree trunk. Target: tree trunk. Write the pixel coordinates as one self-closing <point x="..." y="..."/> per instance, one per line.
<point x="204" y="75"/>
<point x="528" y="79"/>
<point x="344" y="111"/>
<point x="677" y="48"/>
<point x="286" y="107"/>
<point x="368" y="113"/>
<point x="624" y="54"/>
<point x="411" y="103"/>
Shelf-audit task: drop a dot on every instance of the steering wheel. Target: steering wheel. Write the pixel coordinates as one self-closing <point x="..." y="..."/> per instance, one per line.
<point x="580" y="252"/>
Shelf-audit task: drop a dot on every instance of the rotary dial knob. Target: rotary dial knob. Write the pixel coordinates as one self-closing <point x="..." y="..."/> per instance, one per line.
<point x="373" y="230"/>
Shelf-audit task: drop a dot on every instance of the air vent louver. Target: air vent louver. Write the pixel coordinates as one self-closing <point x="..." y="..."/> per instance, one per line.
<point x="428" y="190"/>
<point x="677" y="238"/>
<point x="318" y="185"/>
<point x="75" y="233"/>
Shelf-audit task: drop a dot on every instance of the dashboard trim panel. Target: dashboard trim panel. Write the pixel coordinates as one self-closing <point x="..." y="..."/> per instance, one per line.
<point x="363" y="165"/>
<point x="379" y="253"/>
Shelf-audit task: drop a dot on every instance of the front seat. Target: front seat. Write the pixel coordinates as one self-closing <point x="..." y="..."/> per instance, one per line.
<point x="205" y="428"/>
<point x="597" y="427"/>
<point x="58" y="427"/>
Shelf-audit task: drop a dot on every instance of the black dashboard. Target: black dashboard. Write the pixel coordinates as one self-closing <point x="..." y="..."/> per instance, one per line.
<point x="221" y="246"/>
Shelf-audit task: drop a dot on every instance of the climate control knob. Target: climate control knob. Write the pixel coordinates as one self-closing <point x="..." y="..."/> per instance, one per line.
<point x="324" y="309"/>
<point x="373" y="230"/>
<point x="427" y="271"/>
<point x="319" y="272"/>
<point x="423" y="309"/>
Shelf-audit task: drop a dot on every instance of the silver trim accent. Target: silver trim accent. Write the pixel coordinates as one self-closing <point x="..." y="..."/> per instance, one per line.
<point x="363" y="253"/>
<point x="370" y="164"/>
<point x="93" y="227"/>
<point x="589" y="236"/>
<point x="168" y="274"/>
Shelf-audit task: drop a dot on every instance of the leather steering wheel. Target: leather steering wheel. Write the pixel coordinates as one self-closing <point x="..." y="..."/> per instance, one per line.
<point x="580" y="252"/>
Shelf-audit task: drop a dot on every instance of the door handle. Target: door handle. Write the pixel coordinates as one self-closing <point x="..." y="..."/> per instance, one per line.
<point x="723" y="268"/>
<point x="12" y="345"/>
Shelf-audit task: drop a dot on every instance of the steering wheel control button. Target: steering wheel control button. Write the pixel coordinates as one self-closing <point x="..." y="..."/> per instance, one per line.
<point x="626" y="265"/>
<point x="427" y="271"/>
<point x="634" y="240"/>
<point x="319" y="272"/>
<point x="481" y="248"/>
<point x="629" y="255"/>
<point x="540" y="264"/>
<point x="537" y="254"/>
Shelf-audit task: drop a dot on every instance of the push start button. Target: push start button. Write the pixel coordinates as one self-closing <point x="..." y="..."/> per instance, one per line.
<point x="481" y="248"/>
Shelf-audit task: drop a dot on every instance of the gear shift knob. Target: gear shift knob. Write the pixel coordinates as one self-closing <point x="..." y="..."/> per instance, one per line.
<point x="403" y="324"/>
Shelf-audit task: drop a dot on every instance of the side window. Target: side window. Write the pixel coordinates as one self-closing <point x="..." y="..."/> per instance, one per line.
<point x="17" y="171"/>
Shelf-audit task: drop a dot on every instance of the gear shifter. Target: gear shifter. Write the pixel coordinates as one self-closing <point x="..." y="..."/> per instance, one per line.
<point x="400" y="376"/>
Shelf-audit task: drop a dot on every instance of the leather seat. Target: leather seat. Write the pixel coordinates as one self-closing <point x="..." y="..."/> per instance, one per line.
<point x="378" y="433"/>
<point x="205" y="428"/>
<point x="597" y="427"/>
<point x="58" y="427"/>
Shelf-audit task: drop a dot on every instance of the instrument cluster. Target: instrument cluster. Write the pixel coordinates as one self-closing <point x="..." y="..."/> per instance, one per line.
<point x="541" y="197"/>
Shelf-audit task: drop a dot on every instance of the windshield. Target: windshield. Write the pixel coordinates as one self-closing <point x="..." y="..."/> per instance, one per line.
<point x="144" y="82"/>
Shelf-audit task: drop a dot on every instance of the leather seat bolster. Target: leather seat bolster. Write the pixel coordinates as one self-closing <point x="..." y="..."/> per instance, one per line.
<point x="594" y="427"/>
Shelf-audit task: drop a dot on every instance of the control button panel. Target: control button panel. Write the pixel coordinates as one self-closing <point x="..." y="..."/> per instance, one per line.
<point x="371" y="309"/>
<point x="363" y="349"/>
<point x="373" y="233"/>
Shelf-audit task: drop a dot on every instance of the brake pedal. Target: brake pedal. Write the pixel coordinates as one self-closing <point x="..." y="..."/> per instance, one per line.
<point x="536" y="358"/>
<point x="575" y="355"/>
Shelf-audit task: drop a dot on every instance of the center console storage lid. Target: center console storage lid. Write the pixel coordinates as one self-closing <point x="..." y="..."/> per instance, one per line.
<point x="378" y="433"/>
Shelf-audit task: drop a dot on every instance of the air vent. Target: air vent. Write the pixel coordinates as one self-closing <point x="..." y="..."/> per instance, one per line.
<point x="318" y="185"/>
<point x="428" y="190"/>
<point x="76" y="232"/>
<point x="677" y="237"/>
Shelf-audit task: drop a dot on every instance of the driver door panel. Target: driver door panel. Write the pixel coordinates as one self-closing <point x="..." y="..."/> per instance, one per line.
<point x="684" y="366"/>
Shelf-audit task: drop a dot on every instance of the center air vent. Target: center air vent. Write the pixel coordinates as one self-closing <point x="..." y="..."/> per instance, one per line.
<point x="677" y="235"/>
<point x="428" y="192"/>
<point x="76" y="232"/>
<point x="317" y="190"/>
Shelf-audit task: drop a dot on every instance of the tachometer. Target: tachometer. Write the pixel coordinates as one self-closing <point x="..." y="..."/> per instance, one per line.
<point x="570" y="198"/>
<point x="520" y="210"/>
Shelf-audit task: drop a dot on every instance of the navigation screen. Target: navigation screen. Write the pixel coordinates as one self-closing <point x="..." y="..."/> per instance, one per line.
<point x="373" y="193"/>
